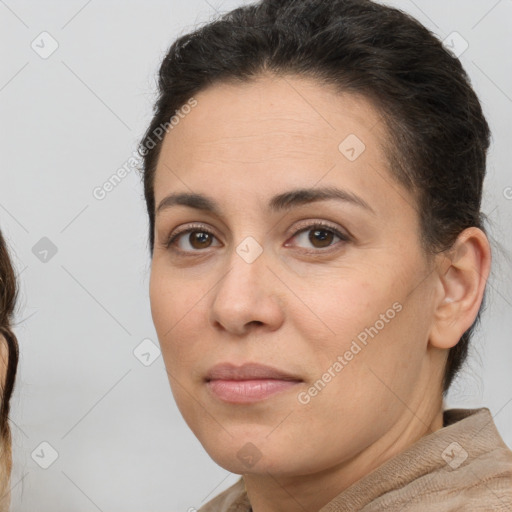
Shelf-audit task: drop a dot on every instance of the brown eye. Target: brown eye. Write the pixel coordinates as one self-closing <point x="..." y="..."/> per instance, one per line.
<point x="319" y="236"/>
<point x="199" y="239"/>
<point x="323" y="237"/>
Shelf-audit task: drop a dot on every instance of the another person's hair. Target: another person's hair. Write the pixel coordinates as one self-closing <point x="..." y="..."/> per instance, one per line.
<point x="438" y="135"/>
<point x="9" y="351"/>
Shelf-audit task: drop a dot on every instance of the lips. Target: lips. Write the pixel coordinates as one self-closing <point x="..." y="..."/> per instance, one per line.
<point x="248" y="371"/>
<point x="248" y="383"/>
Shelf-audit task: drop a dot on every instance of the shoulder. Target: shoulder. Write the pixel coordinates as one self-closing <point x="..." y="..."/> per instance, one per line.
<point x="485" y="477"/>
<point x="474" y="469"/>
<point x="463" y="466"/>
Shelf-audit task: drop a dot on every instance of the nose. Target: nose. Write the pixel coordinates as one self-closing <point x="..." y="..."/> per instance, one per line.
<point x="249" y="296"/>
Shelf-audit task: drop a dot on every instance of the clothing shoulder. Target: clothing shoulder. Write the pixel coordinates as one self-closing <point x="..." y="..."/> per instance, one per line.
<point x="485" y="483"/>
<point x="464" y="466"/>
<point x="473" y="472"/>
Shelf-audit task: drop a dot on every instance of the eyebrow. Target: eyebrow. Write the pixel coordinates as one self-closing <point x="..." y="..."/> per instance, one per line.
<point x="278" y="203"/>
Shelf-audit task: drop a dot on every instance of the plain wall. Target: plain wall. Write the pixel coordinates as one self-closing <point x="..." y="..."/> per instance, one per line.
<point x="69" y="122"/>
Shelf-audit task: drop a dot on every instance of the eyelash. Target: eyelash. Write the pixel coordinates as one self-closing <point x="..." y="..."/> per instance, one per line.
<point x="203" y="229"/>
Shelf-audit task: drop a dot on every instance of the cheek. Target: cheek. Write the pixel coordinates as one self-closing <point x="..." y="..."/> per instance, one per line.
<point x="170" y="297"/>
<point x="175" y="319"/>
<point x="178" y="315"/>
<point x="339" y="311"/>
<point x="366" y="320"/>
<point x="161" y="301"/>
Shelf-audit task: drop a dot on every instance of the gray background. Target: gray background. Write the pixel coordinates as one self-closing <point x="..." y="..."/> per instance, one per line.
<point x="69" y="121"/>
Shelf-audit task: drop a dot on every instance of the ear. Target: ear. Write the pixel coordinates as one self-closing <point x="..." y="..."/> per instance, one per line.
<point x="462" y="272"/>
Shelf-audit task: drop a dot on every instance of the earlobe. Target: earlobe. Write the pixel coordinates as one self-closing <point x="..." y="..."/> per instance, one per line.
<point x="463" y="272"/>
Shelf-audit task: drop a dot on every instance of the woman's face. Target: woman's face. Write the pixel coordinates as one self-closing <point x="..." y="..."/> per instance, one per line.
<point x="341" y="312"/>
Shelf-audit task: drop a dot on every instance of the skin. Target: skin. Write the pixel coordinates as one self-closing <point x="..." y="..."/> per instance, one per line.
<point x="6" y="461"/>
<point x="4" y="359"/>
<point x="300" y="304"/>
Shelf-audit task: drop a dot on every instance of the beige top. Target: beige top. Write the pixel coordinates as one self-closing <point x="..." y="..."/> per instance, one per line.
<point x="464" y="466"/>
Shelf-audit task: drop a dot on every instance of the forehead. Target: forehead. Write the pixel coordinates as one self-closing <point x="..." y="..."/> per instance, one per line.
<point x="271" y="132"/>
<point x="272" y="111"/>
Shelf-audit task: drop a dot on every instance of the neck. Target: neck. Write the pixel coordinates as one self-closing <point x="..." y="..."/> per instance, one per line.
<point x="278" y="493"/>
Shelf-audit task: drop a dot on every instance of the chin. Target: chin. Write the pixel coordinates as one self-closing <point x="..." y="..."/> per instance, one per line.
<point x="248" y="461"/>
<point x="254" y="453"/>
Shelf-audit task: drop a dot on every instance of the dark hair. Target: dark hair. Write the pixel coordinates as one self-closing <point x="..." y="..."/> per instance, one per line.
<point x="438" y="135"/>
<point x="8" y="294"/>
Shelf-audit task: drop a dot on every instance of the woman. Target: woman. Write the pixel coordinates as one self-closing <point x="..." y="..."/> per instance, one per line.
<point x="319" y="259"/>
<point x="8" y="366"/>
